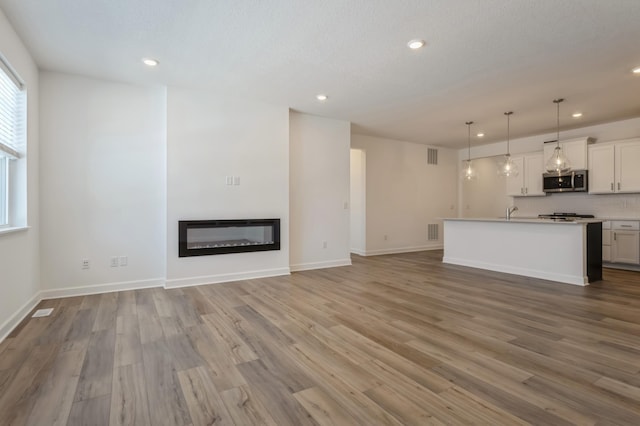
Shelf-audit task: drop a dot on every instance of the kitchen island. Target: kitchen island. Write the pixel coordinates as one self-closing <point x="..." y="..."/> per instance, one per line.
<point x="564" y="251"/>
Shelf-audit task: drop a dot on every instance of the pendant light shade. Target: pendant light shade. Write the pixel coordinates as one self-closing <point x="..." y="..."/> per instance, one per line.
<point x="468" y="172"/>
<point x="508" y="167"/>
<point x="558" y="162"/>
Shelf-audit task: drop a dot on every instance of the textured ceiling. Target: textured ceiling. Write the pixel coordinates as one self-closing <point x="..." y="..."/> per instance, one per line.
<point x="482" y="57"/>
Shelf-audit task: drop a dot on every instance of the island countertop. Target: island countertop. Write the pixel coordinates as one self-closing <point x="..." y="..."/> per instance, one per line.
<point x="525" y="220"/>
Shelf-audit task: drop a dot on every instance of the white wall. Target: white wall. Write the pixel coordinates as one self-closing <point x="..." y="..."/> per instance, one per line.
<point x="606" y="206"/>
<point x="19" y="251"/>
<point x="210" y="137"/>
<point x="319" y="191"/>
<point x="103" y="183"/>
<point x="404" y="194"/>
<point x="358" y="196"/>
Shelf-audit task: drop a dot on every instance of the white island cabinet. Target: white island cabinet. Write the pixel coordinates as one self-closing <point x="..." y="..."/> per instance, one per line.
<point x="567" y="252"/>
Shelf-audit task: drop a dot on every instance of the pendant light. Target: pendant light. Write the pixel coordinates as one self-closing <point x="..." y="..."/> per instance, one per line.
<point x="508" y="167"/>
<point x="558" y="162"/>
<point x="468" y="172"/>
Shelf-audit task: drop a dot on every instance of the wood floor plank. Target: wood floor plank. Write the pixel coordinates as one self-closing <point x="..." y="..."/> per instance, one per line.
<point x="53" y="403"/>
<point x="275" y="395"/>
<point x="97" y="368"/>
<point x="129" y="401"/>
<point x="128" y="346"/>
<point x="166" y="400"/>
<point x="405" y="411"/>
<point x="203" y="400"/>
<point x="324" y="409"/>
<point x="244" y="408"/>
<point x="90" y="412"/>
<point x="19" y="396"/>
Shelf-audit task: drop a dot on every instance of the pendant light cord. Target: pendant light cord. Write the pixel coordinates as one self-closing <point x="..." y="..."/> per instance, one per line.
<point x="469" y="123"/>
<point x="508" y="114"/>
<point x="557" y="102"/>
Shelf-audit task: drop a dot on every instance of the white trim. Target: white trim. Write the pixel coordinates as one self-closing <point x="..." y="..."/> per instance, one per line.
<point x="12" y="229"/>
<point x="321" y="265"/>
<point x="535" y="273"/>
<point x="13" y="321"/>
<point x="221" y="278"/>
<point x="402" y="250"/>
<point x="358" y="252"/>
<point x="101" y="288"/>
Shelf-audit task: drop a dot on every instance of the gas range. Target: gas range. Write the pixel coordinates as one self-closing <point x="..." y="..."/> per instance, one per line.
<point x="565" y="217"/>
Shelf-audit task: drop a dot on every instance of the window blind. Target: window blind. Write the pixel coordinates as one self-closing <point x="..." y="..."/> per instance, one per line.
<point x="12" y="102"/>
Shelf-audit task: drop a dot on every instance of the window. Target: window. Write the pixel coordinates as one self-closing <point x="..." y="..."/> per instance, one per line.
<point x="12" y="141"/>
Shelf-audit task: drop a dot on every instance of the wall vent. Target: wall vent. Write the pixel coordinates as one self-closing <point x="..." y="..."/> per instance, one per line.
<point x="432" y="156"/>
<point x="432" y="232"/>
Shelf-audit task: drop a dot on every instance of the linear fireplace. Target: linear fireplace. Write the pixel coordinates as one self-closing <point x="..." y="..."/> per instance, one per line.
<point x="207" y="237"/>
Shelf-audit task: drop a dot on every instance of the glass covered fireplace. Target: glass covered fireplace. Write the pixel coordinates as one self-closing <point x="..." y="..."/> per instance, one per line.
<point x="207" y="237"/>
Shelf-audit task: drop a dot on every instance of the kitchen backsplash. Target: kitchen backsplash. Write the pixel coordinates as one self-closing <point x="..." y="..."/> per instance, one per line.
<point x="604" y="206"/>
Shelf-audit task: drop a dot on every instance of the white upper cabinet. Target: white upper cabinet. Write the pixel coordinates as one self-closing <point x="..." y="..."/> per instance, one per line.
<point x="614" y="167"/>
<point x="601" y="169"/>
<point x="574" y="149"/>
<point x="528" y="183"/>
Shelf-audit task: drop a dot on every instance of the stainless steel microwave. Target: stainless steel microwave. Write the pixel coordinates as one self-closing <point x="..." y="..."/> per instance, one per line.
<point x="571" y="181"/>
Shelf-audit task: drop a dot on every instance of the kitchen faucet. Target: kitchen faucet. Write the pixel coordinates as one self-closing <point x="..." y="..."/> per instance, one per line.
<point x="509" y="211"/>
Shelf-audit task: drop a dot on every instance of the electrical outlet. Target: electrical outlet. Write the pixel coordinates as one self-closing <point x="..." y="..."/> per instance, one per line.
<point x="229" y="180"/>
<point x="236" y="180"/>
<point x="85" y="264"/>
<point x="114" y="262"/>
<point x="124" y="260"/>
<point x="324" y="244"/>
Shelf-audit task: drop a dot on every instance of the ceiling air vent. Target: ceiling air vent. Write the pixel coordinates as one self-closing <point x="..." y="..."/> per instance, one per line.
<point x="432" y="156"/>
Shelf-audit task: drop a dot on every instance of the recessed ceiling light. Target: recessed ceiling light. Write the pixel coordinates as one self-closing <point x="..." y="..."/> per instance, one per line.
<point x="480" y="135"/>
<point x="416" y="44"/>
<point x="636" y="70"/>
<point x="150" y="62"/>
<point x="322" y="97"/>
<point x="576" y="115"/>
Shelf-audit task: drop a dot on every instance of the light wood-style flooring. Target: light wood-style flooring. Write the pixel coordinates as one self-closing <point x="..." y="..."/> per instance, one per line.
<point x="391" y="340"/>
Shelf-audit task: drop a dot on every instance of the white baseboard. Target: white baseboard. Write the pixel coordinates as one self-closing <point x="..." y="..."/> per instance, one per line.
<point x="101" y="288"/>
<point x="320" y="265"/>
<point x="359" y="252"/>
<point x="222" y="278"/>
<point x="16" y="318"/>
<point x="563" y="278"/>
<point x="401" y="250"/>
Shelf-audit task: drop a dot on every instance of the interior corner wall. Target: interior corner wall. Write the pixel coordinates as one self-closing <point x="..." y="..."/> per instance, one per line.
<point x="19" y="251"/>
<point x="358" y="196"/>
<point x="209" y="138"/>
<point x="102" y="178"/>
<point x="319" y="192"/>
<point x="404" y="194"/>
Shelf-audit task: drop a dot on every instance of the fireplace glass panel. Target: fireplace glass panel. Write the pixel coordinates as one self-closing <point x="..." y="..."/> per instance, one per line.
<point x="206" y="237"/>
<point x="231" y="236"/>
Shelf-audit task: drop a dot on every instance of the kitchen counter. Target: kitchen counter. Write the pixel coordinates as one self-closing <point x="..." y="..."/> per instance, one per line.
<point x="525" y="220"/>
<point x="564" y="251"/>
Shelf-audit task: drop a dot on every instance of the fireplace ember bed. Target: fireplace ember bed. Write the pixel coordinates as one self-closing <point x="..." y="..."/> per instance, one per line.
<point x="209" y="237"/>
